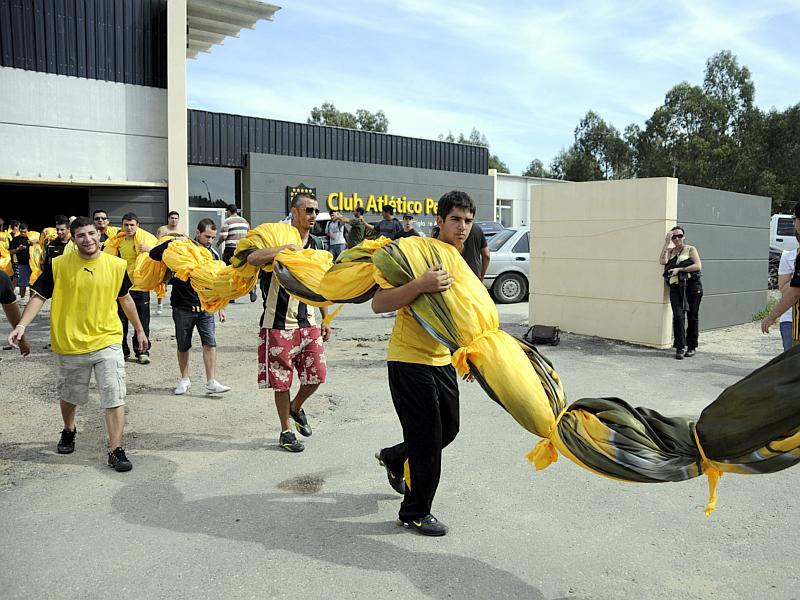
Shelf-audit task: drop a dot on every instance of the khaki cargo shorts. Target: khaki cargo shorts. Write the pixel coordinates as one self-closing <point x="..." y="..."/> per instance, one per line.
<point x="75" y="371"/>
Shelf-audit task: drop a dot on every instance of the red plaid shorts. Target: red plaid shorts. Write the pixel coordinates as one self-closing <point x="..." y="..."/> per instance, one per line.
<point x="280" y="350"/>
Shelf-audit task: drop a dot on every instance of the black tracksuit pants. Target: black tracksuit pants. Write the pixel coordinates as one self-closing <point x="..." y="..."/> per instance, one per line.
<point x="426" y="401"/>
<point x="686" y="324"/>
<point x="142" y="302"/>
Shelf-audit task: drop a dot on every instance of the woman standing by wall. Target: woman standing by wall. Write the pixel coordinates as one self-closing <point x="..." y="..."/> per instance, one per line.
<point x="682" y="273"/>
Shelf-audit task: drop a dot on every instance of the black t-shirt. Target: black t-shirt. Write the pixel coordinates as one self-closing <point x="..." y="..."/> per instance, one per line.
<point x="475" y="242"/>
<point x="410" y="233"/>
<point x="23" y="256"/>
<point x="795" y="282"/>
<point x="7" y="295"/>
<point x="183" y="294"/>
<point x="53" y="249"/>
<point x="45" y="284"/>
<point x="389" y="228"/>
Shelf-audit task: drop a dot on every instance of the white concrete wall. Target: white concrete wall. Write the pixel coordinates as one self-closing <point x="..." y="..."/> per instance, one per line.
<point x="55" y="127"/>
<point x="518" y="188"/>
<point x="594" y="258"/>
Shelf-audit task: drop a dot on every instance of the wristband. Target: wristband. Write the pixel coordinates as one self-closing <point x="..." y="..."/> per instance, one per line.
<point x="21" y="325"/>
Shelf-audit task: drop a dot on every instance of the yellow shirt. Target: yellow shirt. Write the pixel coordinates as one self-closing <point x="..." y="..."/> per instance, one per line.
<point x="83" y="316"/>
<point x="410" y="343"/>
<point x="128" y="251"/>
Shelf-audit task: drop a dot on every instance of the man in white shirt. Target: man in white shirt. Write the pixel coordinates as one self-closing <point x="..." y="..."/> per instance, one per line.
<point x="785" y="270"/>
<point x="335" y="232"/>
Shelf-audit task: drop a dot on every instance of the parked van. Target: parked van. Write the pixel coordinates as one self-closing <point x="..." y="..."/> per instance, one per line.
<point x="781" y="232"/>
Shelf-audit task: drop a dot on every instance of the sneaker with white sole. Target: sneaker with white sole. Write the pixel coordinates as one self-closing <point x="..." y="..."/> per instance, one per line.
<point x="215" y="387"/>
<point x="159" y="310"/>
<point x="143" y="359"/>
<point x="182" y="387"/>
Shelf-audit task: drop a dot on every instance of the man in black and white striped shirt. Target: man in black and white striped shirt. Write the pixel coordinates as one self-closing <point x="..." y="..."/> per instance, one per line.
<point x="234" y="228"/>
<point x="289" y="338"/>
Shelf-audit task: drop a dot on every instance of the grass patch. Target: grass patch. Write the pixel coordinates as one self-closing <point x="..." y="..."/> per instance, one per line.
<point x="768" y="309"/>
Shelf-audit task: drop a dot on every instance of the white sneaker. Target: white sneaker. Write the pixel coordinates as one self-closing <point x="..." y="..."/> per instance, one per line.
<point x="215" y="387"/>
<point x="183" y="387"/>
<point x="389" y="315"/>
<point x="159" y="310"/>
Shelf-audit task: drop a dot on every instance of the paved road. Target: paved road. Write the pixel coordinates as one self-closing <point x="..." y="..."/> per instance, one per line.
<point x="214" y="509"/>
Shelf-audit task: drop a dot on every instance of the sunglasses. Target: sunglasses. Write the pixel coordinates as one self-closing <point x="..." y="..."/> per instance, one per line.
<point x="677" y="236"/>
<point x="310" y="210"/>
<point x="101" y="218"/>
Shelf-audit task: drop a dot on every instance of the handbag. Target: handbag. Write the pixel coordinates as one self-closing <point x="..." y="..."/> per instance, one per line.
<point x="543" y="335"/>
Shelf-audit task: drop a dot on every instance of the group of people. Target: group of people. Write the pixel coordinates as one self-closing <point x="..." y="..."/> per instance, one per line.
<point x="92" y="292"/>
<point x="94" y="300"/>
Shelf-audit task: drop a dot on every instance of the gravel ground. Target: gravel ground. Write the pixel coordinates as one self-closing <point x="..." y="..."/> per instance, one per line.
<point x="213" y="508"/>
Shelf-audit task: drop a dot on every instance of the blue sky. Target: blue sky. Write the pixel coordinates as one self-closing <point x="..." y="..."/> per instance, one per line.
<point x="522" y="73"/>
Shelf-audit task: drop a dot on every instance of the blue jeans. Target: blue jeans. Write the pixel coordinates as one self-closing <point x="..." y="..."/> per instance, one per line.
<point x="336" y="250"/>
<point x="786" y="335"/>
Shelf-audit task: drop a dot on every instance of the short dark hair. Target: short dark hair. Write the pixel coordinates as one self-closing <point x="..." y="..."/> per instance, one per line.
<point x="99" y="210"/>
<point x="359" y="210"/>
<point x="796" y="210"/>
<point x="130" y="217"/>
<point x="23" y="225"/>
<point x="454" y="199"/>
<point x="205" y="223"/>
<point x="61" y="220"/>
<point x="79" y="222"/>
<point x="13" y="223"/>
<point x="677" y="227"/>
<point x="173" y="212"/>
<point x="299" y="196"/>
<point x="232" y="208"/>
<point x="388" y="209"/>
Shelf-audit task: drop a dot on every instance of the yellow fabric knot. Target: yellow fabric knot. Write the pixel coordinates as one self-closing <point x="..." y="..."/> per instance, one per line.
<point x="331" y="315"/>
<point x="376" y="244"/>
<point x="544" y="453"/>
<point x="712" y="472"/>
<point x="462" y="355"/>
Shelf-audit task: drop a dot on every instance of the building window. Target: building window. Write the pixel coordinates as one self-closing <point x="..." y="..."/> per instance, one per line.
<point x="505" y="212"/>
<point x="214" y="187"/>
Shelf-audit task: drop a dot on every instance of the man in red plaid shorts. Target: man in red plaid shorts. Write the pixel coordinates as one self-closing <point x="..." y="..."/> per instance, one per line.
<point x="289" y="338"/>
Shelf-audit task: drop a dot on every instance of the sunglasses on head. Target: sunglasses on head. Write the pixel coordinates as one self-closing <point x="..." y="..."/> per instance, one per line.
<point x="310" y="210"/>
<point x="677" y="236"/>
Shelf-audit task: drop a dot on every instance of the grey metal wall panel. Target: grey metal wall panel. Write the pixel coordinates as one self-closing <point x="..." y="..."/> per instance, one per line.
<point x="111" y="40"/>
<point x="731" y="233"/>
<point x="266" y="177"/>
<point x="149" y="204"/>
<point x="703" y="205"/>
<point x="724" y="310"/>
<point x="235" y="136"/>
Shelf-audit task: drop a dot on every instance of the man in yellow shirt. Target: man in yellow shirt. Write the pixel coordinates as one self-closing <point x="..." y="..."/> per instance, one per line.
<point x="86" y="334"/>
<point x="135" y="242"/>
<point x="423" y="383"/>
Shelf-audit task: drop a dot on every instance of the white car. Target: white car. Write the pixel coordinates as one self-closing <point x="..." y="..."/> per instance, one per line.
<point x="509" y="266"/>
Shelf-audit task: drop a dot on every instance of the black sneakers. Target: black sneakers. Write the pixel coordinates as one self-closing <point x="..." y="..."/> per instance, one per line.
<point x="395" y="480"/>
<point x="288" y="441"/>
<point x="118" y="461"/>
<point x="301" y="422"/>
<point x="428" y="525"/>
<point x="680" y="353"/>
<point x="66" y="445"/>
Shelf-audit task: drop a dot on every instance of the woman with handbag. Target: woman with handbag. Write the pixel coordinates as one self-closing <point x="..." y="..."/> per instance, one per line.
<point x="682" y="268"/>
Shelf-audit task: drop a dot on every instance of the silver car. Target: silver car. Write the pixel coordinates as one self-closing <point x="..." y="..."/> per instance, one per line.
<point x="507" y="276"/>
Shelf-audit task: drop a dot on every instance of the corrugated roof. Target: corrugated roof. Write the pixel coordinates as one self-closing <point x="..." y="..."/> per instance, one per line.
<point x="211" y="21"/>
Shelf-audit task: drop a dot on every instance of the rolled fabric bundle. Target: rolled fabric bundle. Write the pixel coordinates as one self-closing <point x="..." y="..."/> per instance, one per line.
<point x="141" y="236"/>
<point x="5" y="261"/>
<point x="301" y="274"/>
<point x="148" y="274"/>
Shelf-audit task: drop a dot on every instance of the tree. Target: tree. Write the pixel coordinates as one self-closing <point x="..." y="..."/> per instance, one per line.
<point x="476" y="138"/>
<point x="364" y="120"/>
<point x="536" y="169"/>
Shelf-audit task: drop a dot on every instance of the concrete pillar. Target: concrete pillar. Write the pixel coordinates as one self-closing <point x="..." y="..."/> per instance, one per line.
<point x="177" y="130"/>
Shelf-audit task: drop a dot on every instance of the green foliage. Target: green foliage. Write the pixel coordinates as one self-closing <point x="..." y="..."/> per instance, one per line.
<point x="536" y="169"/>
<point x="476" y="138"/>
<point x="710" y="135"/>
<point x="328" y="114"/>
<point x="762" y="314"/>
